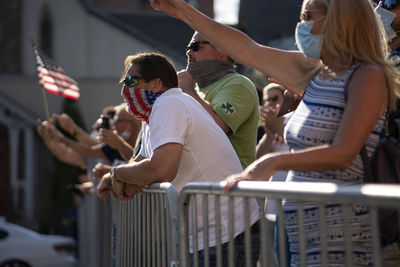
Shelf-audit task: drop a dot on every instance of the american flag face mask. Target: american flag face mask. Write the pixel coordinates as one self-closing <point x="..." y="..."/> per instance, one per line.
<point x="140" y="101"/>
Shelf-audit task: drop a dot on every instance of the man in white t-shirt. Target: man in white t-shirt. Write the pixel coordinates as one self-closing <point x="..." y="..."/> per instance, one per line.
<point x="181" y="143"/>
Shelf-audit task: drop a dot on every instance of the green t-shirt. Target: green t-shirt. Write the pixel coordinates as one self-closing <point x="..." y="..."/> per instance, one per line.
<point x="234" y="98"/>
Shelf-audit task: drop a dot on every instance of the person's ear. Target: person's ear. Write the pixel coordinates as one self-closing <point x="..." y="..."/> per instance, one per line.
<point x="156" y="85"/>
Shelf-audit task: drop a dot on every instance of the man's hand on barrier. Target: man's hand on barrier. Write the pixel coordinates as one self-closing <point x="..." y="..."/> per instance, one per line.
<point x="131" y="189"/>
<point x="104" y="188"/>
<point x="118" y="188"/>
<point x="100" y="170"/>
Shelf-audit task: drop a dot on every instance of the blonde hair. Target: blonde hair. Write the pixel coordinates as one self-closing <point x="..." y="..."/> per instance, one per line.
<point x="354" y="34"/>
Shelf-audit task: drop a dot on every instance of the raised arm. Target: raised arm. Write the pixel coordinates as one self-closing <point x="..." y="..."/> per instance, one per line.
<point x="287" y="66"/>
<point x="81" y="148"/>
<point x="68" y="124"/>
<point x="58" y="149"/>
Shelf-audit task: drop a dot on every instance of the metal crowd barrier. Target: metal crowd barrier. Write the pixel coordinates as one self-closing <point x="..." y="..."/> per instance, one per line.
<point x="372" y="196"/>
<point x="145" y="228"/>
<point x="94" y="222"/>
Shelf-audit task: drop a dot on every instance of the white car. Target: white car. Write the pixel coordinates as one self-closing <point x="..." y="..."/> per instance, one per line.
<point x="21" y="247"/>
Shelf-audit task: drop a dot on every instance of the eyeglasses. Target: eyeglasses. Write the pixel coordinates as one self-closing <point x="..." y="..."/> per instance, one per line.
<point x="195" y="46"/>
<point x="306" y="15"/>
<point x="131" y="80"/>
<point x="272" y="98"/>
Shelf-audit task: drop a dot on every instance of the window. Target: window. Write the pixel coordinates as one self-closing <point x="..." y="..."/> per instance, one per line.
<point x="46" y="31"/>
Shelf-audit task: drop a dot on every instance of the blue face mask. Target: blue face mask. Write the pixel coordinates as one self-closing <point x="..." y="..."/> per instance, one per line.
<point x="387" y="18"/>
<point x="308" y="43"/>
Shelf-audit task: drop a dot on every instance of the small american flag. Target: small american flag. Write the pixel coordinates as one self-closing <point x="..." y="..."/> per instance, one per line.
<point x="53" y="78"/>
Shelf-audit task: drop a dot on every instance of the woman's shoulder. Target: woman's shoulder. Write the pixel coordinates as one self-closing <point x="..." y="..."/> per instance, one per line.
<point x="368" y="72"/>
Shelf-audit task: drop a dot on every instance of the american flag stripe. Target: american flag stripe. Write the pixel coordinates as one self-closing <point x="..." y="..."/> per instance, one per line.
<point x="45" y="78"/>
<point x="141" y="97"/>
<point x="133" y="98"/>
<point x="53" y="78"/>
<point x="60" y="76"/>
<point x="52" y="88"/>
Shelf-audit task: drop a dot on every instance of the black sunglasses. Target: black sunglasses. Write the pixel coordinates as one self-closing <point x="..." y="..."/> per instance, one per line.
<point x="131" y="80"/>
<point x="195" y="46"/>
<point x="272" y="99"/>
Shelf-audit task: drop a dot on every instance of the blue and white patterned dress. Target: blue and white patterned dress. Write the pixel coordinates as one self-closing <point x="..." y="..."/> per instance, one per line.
<point x="314" y="123"/>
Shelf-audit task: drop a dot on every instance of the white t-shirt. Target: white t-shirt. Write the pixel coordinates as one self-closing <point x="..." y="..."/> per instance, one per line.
<point x="207" y="155"/>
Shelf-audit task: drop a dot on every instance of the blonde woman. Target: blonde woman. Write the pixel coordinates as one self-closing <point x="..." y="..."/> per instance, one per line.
<point x="340" y="41"/>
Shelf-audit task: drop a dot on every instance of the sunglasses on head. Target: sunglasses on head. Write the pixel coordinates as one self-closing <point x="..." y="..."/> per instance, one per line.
<point x="272" y="98"/>
<point x="195" y="46"/>
<point x="131" y="80"/>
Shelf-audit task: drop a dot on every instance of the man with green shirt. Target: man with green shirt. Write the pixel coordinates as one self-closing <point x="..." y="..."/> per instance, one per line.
<point x="230" y="98"/>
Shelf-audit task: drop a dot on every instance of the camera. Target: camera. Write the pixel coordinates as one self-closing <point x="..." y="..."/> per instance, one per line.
<point x="105" y="122"/>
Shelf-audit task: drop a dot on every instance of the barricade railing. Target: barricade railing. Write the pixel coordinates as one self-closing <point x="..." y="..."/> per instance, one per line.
<point x="321" y="194"/>
<point x="94" y="224"/>
<point x="145" y="229"/>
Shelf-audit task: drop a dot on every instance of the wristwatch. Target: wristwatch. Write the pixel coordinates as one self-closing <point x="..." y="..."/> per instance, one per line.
<point x="112" y="176"/>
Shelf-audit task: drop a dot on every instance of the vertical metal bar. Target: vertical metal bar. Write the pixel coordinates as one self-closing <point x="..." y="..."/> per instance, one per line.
<point x="144" y="229"/>
<point x="118" y="229"/>
<point x="168" y="235"/>
<point x="140" y="230"/>
<point x="153" y="234"/>
<point x="148" y="230"/>
<point x="124" y="232"/>
<point x="195" y="231"/>
<point x="323" y="234"/>
<point x="247" y="233"/>
<point x="135" y="231"/>
<point x="163" y="231"/>
<point x="184" y="205"/>
<point x="264" y="233"/>
<point x="282" y="237"/>
<point x="217" y="209"/>
<point x="131" y="233"/>
<point x="158" y="226"/>
<point x="347" y="235"/>
<point x="373" y="215"/>
<point x="205" y="231"/>
<point x="231" y="226"/>
<point x="302" y="241"/>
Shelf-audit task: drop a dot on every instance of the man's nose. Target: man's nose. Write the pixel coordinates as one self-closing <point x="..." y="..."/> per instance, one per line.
<point x="189" y="53"/>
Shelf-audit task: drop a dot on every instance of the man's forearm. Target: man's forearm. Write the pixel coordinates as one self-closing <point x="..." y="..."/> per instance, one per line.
<point x="138" y="173"/>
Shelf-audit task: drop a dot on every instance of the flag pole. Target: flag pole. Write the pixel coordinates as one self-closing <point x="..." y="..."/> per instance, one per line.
<point x="46" y="106"/>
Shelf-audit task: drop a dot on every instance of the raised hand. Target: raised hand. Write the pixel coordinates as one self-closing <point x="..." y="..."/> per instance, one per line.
<point x="65" y="122"/>
<point x="110" y="137"/>
<point x="272" y="124"/>
<point x="170" y="7"/>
